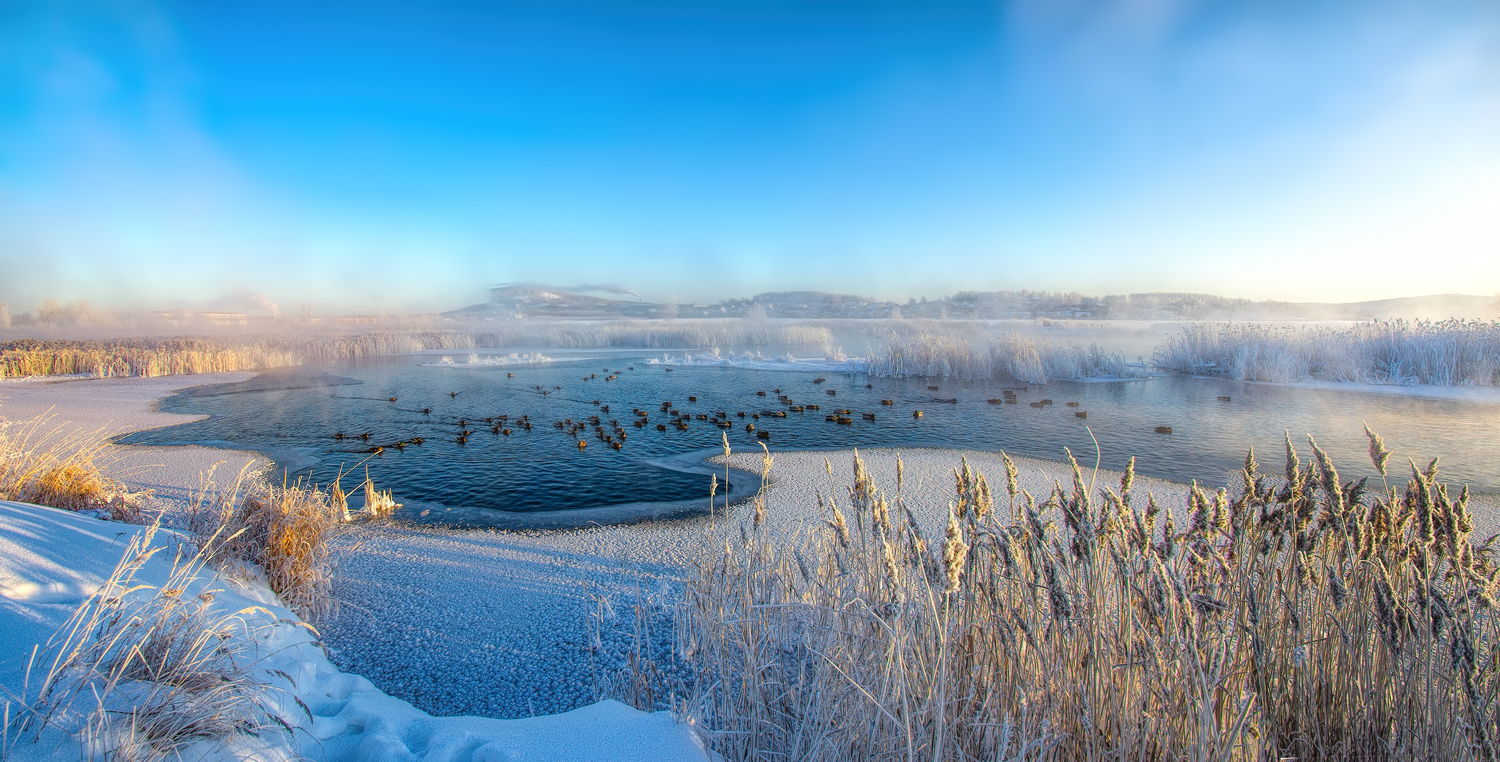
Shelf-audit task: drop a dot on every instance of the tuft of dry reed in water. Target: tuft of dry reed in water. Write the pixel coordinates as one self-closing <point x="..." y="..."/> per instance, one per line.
<point x="149" y="673"/>
<point x="1297" y="616"/>
<point x="1011" y="357"/>
<point x="45" y="463"/>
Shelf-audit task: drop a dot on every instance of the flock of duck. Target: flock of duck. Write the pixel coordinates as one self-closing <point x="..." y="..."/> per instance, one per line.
<point x="613" y="432"/>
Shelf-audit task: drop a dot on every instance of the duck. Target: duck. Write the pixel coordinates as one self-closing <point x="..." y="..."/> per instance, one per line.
<point x="916" y="414"/>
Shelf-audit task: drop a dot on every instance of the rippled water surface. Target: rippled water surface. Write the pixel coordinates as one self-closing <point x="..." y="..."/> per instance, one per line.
<point x="294" y="417"/>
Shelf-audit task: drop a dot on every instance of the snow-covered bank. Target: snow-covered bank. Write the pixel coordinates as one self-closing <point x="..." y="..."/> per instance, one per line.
<point x="51" y="561"/>
<point x="838" y="363"/>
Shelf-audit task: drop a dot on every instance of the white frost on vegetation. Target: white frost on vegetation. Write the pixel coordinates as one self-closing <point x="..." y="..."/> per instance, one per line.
<point x="1448" y="353"/>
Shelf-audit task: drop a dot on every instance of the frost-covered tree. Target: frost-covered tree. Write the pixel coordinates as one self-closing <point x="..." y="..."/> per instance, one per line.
<point x="4" y="315"/>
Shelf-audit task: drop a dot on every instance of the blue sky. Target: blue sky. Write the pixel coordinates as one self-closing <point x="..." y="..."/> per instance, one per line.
<point x="401" y="156"/>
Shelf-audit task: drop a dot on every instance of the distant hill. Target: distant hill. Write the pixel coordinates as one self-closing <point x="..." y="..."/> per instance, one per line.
<point x="519" y="302"/>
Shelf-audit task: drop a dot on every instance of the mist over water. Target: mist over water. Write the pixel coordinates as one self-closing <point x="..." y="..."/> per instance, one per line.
<point x="294" y="415"/>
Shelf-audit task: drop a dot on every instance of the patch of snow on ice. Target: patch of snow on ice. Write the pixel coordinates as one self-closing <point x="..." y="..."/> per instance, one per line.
<point x="491" y="361"/>
<point x="838" y="363"/>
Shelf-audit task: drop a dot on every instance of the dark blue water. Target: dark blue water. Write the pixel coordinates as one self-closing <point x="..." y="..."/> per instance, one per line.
<point x="294" y="417"/>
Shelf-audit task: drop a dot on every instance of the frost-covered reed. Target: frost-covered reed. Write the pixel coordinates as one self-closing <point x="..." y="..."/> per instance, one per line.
<point x="1451" y="352"/>
<point x="285" y="530"/>
<point x="1288" y="616"/>
<point x="1011" y="357"/>
<point x="181" y="355"/>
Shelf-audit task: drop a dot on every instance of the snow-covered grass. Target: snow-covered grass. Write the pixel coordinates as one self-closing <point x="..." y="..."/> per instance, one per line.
<point x="1451" y="352"/>
<point x="1011" y="357"/>
<point x="149" y="672"/>
<point x="1289" y="617"/>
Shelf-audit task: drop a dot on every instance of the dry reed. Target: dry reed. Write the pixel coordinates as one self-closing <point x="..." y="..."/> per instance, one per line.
<point x="285" y="530"/>
<point x="1298" y="616"/>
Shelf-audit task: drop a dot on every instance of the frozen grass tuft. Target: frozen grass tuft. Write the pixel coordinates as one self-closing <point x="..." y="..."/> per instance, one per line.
<point x="150" y="673"/>
<point x="1008" y="358"/>
<point x="45" y="463"/>
<point x="1451" y="352"/>
<point x="284" y="530"/>
<point x="1297" y="615"/>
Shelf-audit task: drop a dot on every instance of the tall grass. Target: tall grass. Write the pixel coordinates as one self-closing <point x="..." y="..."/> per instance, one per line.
<point x="1011" y="357"/>
<point x="182" y="355"/>
<point x="46" y="463"/>
<point x="141" y="672"/>
<point x="1451" y="352"/>
<point x="1292" y="616"/>
<point x="284" y="530"/>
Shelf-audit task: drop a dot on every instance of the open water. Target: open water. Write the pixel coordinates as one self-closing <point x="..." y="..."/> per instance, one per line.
<point x="494" y="479"/>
